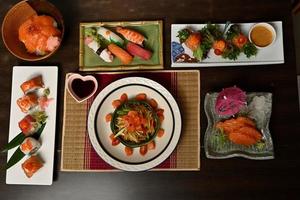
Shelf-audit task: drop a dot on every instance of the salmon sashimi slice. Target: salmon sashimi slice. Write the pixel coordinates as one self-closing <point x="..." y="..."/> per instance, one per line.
<point x="243" y="139"/>
<point x="131" y="35"/>
<point x="35" y="33"/>
<point x="32" y="165"/>
<point x="251" y="132"/>
<point x="241" y="130"/>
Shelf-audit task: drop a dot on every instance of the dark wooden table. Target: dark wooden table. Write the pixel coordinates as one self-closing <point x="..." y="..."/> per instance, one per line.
<point x="231" y="178"/>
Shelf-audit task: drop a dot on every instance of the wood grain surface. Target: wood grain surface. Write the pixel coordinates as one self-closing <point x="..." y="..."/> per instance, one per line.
<point x="218" y="179"/>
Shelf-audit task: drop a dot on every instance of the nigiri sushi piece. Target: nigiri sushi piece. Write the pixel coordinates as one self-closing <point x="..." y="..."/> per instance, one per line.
<point x="32" y="84"/>
<point x="32" y="165"/>
<point x="138" y="51"/>
<point x="30" y="146"/>
<point x="101" y="52"/>
<point x="27" y="102"/>
<point x="125" y="57"/>
<point x="131" y="35"/>
<point x="28" y="125"/>
<point x="110" y="36"/>
<point x="40" y="34"/>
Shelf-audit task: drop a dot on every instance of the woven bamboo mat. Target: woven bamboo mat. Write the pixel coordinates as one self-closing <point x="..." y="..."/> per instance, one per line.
<point x="78" y="153"/>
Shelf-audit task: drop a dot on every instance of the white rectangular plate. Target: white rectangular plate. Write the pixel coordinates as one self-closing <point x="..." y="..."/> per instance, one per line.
<point x="44" y="176"/>
<point x="269" y="55"/>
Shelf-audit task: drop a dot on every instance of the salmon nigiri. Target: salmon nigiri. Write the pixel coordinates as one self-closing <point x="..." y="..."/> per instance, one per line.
<point x="40" y="34"/>
<point x="131" y="35"/>
<point x="125" y="57"/>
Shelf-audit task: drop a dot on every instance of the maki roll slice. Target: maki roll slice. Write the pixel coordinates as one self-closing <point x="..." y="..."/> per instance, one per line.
<point x="29" y="125"/>
<point x="27" y="102"/>
<point x="32" y="84"/>
<point x="30" y="146"/>
<point x="32" y="165"/>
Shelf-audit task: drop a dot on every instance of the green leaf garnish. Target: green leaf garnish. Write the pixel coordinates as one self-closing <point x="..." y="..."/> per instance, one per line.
<point x="198" y="53"/>
<point x="15" y="158"/>
<point x="249" y="49"/>
<point x="40" y="116"/>
<point x="14" y="142"/>
<point x="18" y="154"/>
<point x="46" y="92"/>
<point x="183" y="35"/>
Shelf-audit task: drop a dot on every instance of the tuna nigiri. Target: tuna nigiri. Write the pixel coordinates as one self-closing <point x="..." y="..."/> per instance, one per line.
<point x="32" y="165"/>
<point x="131" y="35"/>
<point x="32" y="84"/>
<point x="30" y="145"/>
<point x="40" y="34"/>
<point x="125" y="57"/>
<point x="110" y="36"/>
<point x="138" y="51"/>
<point x="28" y="125"/>
<point x="27" y="102"/>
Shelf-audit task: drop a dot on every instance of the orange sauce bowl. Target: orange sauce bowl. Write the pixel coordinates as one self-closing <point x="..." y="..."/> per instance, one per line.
<point x="17" y="15"/>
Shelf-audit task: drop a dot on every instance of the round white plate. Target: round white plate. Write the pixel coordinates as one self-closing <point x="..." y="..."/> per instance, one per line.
<point x="99" y="130"/>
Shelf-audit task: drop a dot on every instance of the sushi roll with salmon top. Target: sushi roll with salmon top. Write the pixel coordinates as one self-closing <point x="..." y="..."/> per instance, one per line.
<point x="32" y="84"/>
<point x="131" y="35"/>
<point x="28" y="125"/>
<point x="30" y="146"/>
<point x="110" y="36"/>
<point x="40" y="34"/>
<point x="27" y="102"/>
<point x="32" y="165"/>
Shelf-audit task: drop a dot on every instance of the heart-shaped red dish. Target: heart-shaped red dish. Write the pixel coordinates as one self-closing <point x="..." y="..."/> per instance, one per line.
<point x="81" y="87"/>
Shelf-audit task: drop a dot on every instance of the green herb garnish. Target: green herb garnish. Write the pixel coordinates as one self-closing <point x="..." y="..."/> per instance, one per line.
<point x="183" y="35"/>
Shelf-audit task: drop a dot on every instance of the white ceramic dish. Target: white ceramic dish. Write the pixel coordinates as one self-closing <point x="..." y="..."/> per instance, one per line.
<point x="273" y="54"/>
<point x="99" y="130"/>
<point x="44" y="176"/>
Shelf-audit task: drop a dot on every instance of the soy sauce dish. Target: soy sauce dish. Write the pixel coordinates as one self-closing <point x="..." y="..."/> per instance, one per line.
<point x="262" y="35"/>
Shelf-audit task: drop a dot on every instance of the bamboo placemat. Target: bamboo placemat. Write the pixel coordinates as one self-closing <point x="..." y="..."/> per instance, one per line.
<point x="77" y="152"/>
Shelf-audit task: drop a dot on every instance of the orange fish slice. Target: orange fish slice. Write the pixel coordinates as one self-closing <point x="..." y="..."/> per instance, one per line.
<point x="131" y="35"/>
<point x="243" y="139"/>
<point x="251" y="132"/>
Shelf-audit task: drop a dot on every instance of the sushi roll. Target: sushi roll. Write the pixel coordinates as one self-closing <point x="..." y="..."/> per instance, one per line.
<point x="131" y="35"/>
<point x="30" y="146"/>
<point x="110" y="36"/>
<point x="28" y="125"/>
<point x="32" y="84"/>
<point x="32" y="165"/>
<point x="27" y="102"/>
<point x="103" y="53"/>
<point x="40" y="34"/>
<point x="138" y="51"/>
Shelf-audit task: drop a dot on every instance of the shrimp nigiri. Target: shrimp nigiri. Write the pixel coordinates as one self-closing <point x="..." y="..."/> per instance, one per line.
<point x="40" y="34"/>
<point x="131" y="35"/>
